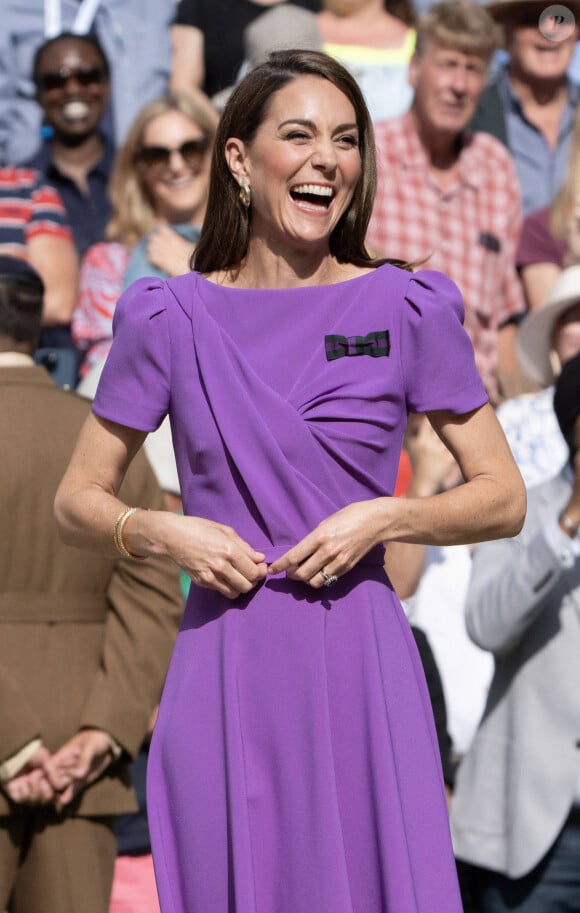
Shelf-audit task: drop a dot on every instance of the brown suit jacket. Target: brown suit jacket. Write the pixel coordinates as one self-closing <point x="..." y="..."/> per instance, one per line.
<point x="85" y="639"/>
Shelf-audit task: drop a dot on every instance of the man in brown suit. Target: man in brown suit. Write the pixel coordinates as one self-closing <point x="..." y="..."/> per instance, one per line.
<point x="84" y="643"/>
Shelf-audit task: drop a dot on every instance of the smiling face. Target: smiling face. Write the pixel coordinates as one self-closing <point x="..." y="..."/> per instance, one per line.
<point x="534" y="57"/>
<point x="177" y="186"/>
<point x="72" y="88"/>
<point x="302" y="165"/>
<point x="447" y="84"/>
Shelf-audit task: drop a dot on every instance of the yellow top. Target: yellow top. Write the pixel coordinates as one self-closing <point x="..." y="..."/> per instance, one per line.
<point x="361" y="54"/>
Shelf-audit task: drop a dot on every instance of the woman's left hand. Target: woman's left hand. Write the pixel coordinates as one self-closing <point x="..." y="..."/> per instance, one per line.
<point x="334" y="547"/>
<point x="169" y="251"/>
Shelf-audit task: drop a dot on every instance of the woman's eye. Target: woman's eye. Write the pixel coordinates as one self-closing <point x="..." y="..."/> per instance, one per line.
<point x="348" y="140"/>
<point x="297" y="134"/>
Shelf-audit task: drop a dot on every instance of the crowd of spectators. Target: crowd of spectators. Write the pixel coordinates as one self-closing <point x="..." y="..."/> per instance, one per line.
<point x="107" y="116"/>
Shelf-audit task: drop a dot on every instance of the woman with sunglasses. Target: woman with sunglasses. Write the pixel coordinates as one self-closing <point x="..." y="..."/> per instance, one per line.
<point x="71" y="75"/>
<point x="158" y="192"/>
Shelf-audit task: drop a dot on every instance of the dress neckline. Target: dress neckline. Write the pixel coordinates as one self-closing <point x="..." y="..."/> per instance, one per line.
<point x="296" y="288"/>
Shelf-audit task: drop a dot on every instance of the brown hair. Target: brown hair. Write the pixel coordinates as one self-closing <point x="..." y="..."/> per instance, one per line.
<point x="458" y="25"/>
<point x="21" y="308"/>
<point x="225" y="235"/>
<point x="133" y="209"/>
<point x="565" y="200"/>
<point x="401" y="9"/>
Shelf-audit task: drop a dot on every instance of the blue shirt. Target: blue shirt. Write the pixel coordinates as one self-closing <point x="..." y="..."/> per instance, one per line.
<point x="135" y="35"/>
<point x="139" y="265"/>
<point x="540" y="168"/>
<point x="87" y="214"/>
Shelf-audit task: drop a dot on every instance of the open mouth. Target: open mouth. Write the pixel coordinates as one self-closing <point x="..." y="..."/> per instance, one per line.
<point x="313" y="194"/>
<point x="75" y="110"/>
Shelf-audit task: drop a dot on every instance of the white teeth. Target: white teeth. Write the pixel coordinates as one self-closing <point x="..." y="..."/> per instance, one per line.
<point x="75" y="110"/>
<point x="313" y="189"/>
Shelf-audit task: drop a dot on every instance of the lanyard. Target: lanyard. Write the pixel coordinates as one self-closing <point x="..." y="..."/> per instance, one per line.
<point x="82" y="22"/>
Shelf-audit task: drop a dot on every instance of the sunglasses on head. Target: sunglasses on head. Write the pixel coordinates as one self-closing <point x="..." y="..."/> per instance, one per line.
<point x="192" y="152"/>
<point x="50" y="82"/>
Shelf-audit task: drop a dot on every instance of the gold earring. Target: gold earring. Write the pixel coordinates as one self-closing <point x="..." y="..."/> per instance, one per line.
<point x="245" y="195"/>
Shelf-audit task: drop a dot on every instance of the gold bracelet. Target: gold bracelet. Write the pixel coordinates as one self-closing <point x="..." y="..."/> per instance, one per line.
<point x="118" y="534"/>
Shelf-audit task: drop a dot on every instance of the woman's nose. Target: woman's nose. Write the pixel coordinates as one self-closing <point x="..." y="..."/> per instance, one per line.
<point x="324" y="154"/>
<point x="176" y="160"/>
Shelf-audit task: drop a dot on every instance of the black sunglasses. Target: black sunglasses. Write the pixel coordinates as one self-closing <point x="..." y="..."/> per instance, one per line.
<point x="50" y="82"/>
<point x="192" y="152"/>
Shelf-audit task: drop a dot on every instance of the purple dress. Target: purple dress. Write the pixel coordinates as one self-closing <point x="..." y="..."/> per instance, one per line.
<point x="294" y="766"/>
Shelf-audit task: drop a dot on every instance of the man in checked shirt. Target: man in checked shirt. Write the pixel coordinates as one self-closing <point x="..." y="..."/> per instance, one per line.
<point x="450" y="197"/>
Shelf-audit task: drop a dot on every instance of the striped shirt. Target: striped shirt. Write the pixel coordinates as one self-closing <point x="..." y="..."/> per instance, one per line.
<point x="28" y="208"/>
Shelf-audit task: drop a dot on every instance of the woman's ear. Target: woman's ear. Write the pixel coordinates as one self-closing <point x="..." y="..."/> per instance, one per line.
<point x="236" y="159"/>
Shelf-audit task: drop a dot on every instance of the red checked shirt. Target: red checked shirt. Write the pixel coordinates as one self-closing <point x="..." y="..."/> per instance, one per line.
<point x="469" y="230"/>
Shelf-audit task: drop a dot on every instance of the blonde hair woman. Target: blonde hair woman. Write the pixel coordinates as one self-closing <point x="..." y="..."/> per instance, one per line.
<point x="158" y="192"/>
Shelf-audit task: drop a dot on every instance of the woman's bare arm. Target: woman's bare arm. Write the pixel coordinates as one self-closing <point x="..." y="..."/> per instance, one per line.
<point x="492" y="502"/>
<point x="87" y="507"/>
<point x="434" y="470"/>
<point x="56" y="260"/>
<point x="537" y="280"/>
<point x="187" y="67"/>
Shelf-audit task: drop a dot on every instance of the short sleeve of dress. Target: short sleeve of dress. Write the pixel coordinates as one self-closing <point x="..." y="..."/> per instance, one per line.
<point x="437" y="358"/>
<point x="134" y="386"/>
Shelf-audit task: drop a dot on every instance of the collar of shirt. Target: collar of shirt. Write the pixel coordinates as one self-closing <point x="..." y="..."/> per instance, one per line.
<point x="43" y="161"/>
<point x="471" y="165"/>
<point x="15" y="360"/>
<point x="512" y="102"/>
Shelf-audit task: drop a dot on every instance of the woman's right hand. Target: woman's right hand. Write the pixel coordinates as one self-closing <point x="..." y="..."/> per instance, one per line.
<point x="214" y="556"/>
<point x="168" y="251"/>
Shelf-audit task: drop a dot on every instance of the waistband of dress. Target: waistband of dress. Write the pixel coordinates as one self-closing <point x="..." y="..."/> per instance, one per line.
<point x="376" y="556"/>
<point x="52" y="607"/>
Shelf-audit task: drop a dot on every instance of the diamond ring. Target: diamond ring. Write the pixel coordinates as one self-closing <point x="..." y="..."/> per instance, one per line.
<point x="329" y="579"/>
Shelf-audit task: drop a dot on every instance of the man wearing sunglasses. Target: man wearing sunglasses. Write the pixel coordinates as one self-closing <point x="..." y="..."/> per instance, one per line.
<point x="72" y="79"/>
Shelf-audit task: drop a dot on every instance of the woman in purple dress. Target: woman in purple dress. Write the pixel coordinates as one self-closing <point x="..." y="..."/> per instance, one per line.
<point x="294" y="765"/>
